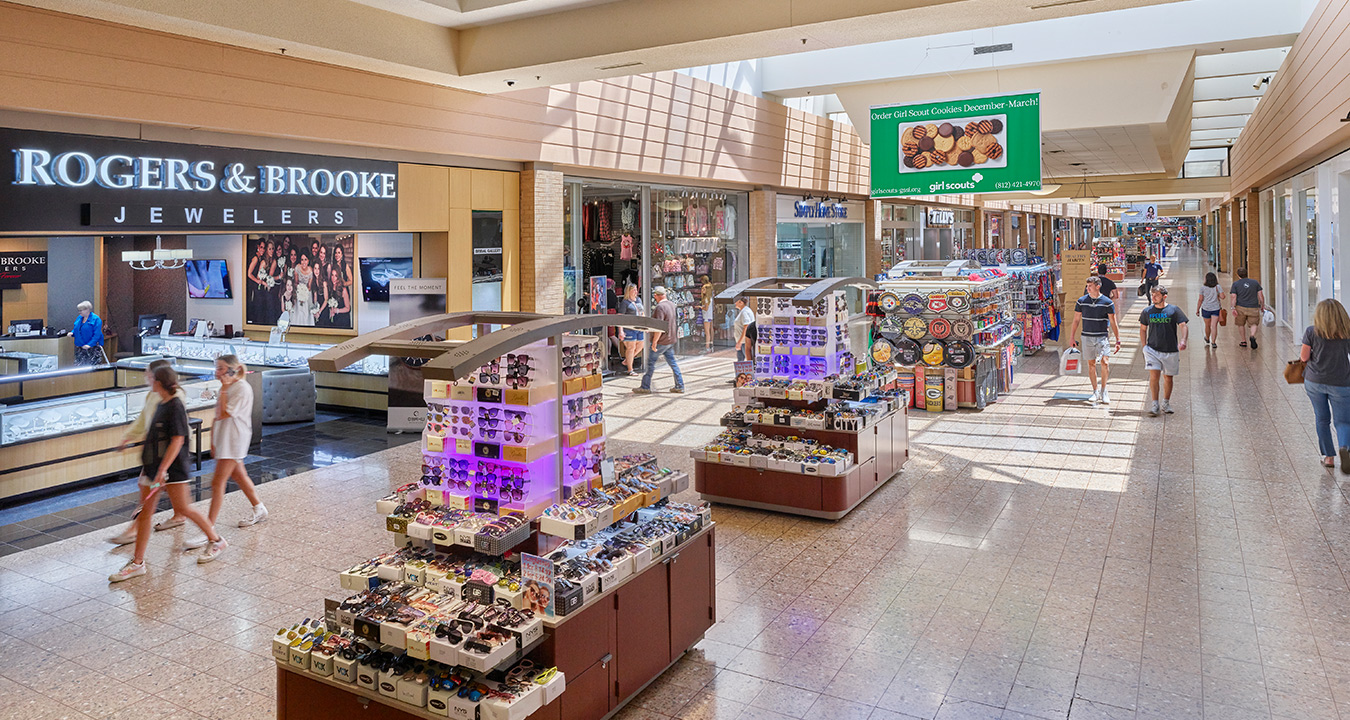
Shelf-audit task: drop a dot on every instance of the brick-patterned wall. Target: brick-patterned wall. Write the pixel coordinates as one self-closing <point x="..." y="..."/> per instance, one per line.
<point x="872" y="238"/>
<point x="1253" y="259"/>
<point x="541" y="240"/>
<point x="763" y="234"/>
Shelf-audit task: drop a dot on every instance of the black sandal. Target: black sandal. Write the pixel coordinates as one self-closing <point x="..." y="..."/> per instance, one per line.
<point x="1242" y="344"/>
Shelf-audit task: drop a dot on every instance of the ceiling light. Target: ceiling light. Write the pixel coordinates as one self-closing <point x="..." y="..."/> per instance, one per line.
<point x="1046" y="189"/>
<point x="1084" y="196"/>
<point x="161" y="258"/>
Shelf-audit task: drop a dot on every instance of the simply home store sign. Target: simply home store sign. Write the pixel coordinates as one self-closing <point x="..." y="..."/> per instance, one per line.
<point x="60" y="182"/>
<point x="977" y="145"/>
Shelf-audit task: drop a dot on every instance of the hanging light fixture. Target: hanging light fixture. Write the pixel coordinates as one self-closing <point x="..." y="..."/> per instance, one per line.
<point x="1046" y="189"/>
<point x="161" y="258"/>
<point x="1084" y="196"/>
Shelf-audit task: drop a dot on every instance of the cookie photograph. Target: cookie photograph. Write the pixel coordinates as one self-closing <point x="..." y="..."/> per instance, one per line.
<point x="973" y="143"/>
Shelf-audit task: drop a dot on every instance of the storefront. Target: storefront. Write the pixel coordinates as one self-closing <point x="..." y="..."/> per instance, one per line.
<point x="191" y="252"/>
<point x="1304" y="250"/>
<point x="820" y="238"/>
<point x="692" y="241"/>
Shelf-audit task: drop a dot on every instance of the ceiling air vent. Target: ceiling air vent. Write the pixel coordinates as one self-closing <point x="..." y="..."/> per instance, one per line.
<point x="987" y="49"/>
<point x="620" y="65"/>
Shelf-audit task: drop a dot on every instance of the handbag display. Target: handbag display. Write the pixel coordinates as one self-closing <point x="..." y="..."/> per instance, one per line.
<point x="1293" y="372"/>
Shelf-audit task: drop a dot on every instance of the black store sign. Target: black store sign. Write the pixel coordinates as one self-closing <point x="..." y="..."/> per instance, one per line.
<point x="56" y="182"/>
<point x="19" y="268"/>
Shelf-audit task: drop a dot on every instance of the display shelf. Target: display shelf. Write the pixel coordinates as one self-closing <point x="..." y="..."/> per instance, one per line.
<point x="253" y="352"/>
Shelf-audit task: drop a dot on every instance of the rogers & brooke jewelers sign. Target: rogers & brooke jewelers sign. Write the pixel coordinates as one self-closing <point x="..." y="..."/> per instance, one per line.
<point x="23" y="267"/>
<point x="61" y="182"/>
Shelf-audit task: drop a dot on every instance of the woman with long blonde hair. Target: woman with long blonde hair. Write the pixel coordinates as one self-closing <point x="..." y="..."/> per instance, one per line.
<point x="1326" y="379"/>
<point x="231" y="434"/>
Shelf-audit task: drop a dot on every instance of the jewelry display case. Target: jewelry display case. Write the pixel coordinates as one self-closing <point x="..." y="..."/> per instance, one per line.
<point x="79" y="413"/>
<point x="252" y="352"/>
<point x="23" y="363"/>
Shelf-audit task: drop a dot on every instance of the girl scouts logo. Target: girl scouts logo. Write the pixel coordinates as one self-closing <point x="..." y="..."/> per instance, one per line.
<point x="937" y="301"/>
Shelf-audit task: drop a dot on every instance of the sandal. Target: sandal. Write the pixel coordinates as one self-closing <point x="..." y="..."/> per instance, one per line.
<point x="1242" y="344"/>
<point x="1328" y="462"/>
<point x="169" y="524"/>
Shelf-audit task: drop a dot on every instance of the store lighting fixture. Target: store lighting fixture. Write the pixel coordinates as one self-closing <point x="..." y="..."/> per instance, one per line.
<point x="161" y="258"/>
<point x="1046" y="189"/>
<point x="1084" y="194"/>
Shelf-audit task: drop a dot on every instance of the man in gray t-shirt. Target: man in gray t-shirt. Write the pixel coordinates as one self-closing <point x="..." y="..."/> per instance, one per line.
<point x="1249" y="301"/>
<point x="663" y="343"/>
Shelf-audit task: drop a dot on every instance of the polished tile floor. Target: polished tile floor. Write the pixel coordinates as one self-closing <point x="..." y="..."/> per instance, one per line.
<point x="1039" y="559"/>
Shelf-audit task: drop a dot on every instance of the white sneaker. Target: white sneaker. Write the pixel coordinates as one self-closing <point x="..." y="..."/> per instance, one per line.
<point x="259" y="515"/>
<point x="1106" y="399"/>
<point x="125" y="538"/>
<point x="1167" y="407"/>
<point x="1153" y="409"/>
<point x="128" y="571"/>
<point x="1096" y="397"/>
<point x="212" y="551"/>
<point x="194" y="543"/>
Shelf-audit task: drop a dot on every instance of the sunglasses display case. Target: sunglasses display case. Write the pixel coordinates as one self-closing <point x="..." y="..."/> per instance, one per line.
<point x="820" y="426"/>
<point x="952" y="329"/>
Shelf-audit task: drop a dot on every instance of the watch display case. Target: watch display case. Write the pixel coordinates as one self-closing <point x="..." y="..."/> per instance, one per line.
<point x="23" y="363"/>
<point x="266" y="354"/>
<point x="79" y="413"/>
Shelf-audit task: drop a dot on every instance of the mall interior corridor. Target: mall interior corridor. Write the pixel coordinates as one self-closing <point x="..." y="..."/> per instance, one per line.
<point x="1043" y="558"/>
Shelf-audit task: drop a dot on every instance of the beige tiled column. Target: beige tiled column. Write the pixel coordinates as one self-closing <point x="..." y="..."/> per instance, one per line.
<point x="1253" y="259"/>
<point x="541" y="239"/>
<point x="872" y="232"/>
<point x="763" y="233"/>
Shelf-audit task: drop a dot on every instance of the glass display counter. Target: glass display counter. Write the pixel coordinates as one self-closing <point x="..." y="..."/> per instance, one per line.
<point x="23" y="363"/>
<point x="253" y="353"/>
<point x="79" y="413"/>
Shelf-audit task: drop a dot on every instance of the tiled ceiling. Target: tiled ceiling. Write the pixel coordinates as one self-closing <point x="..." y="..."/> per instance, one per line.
<point x="1099" y="151"/>
<point x="471" y="13"/>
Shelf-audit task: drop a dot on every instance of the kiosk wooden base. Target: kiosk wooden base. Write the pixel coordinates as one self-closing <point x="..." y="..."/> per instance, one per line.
<point x="879" y="452"/>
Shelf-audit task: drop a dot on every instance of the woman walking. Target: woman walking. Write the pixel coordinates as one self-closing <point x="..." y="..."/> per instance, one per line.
<point x="164" y="464"/>
<point x="230" y="437"/>
<point x="1209" y="306"/>
<point x="136" y="433"/>
<point x="632" y="339"/>
<point x="1326" y="379"/>
<point x="705" y="303"/>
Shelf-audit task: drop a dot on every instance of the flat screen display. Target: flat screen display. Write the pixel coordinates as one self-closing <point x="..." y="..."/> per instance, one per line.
<point x="208" y="279"/>
<point x="377" y="272"/>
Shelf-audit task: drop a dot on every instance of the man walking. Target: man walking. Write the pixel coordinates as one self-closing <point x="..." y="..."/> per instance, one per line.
<point x="1109" y="288"/>
<point x="1249" y="301"/>
<point x="1151" y="272"/>
<point x="663" y="343"/>
<point x="1096" y="313"/>
<point x="743" y="327"/>
<point x="1162" y="330"/>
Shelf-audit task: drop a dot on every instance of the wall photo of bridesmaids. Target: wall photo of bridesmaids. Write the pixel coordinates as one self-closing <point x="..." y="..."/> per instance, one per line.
<point x="304" y="279"/>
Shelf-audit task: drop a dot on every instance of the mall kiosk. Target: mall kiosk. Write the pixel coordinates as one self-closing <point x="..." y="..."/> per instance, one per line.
<point x="818" y="427"/>
<point x="517" y="502"/>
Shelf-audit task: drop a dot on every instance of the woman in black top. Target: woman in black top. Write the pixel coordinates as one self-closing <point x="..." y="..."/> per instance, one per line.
<point x="164" y="464"/>
<point x="1326" y="379"/>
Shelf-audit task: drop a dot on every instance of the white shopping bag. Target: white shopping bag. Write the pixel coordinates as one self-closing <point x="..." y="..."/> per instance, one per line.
<point x="1268" y="318"/>
<point x="1069" y="362"/>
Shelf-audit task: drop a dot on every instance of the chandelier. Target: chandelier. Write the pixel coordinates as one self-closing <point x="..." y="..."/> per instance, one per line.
<point x="160" y="259"/>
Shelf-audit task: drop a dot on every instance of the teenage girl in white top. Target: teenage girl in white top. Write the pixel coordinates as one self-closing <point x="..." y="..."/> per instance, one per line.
<point x="231" y="434"/>
<point x="1208" y="307"/>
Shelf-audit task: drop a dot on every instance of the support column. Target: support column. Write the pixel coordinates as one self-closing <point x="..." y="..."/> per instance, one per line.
<point x="978" y="239"/>
<point x="1253" y="259"/>
<point x="872" y="234"/>
<point x="763" y="233"/>
<point x="1225" y="254"/>
<point x="541" y="239"/>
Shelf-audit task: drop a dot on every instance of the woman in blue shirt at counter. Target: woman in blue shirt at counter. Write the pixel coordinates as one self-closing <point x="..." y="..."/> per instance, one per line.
<point x="88" y="336"/>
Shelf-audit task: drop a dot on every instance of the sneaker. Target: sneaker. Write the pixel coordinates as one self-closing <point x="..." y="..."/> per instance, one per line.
<point x="1153" y="409"/>
<point x="194" y="543"/>
<point x="212" y="551"/>
<point x="259" y="515"/>
<point x="1167" y="407"/>
<point x="1095" y="398"/>
<point x="677" y="390"/>
<point x="1253" y="342"/>
<point x="1106" y="399"/>
<point x="128" y="571"/>
<point x="125" y="538"/>
<point x="169" y="524"/>
<point x="642" y="391"/>
<point x="1345" y="461"/>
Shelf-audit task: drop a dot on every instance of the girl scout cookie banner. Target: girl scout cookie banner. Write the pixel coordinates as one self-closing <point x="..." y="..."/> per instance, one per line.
<point x="980" y="145"/>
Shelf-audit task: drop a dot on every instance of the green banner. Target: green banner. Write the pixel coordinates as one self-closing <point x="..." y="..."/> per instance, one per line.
<point x="953" y="147"/>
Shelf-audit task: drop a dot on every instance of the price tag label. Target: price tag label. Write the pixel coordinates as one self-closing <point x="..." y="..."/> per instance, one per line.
<point x="607" y="472"/>
<point x="435" y="443"/>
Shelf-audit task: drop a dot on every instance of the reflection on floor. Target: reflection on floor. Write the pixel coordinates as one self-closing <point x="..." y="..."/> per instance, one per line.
<point x="285" y="450"/>
<point x="1040" y="559"/>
